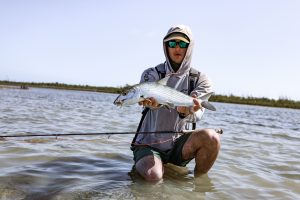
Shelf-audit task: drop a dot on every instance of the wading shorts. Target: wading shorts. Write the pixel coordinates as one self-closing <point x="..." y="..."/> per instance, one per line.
<point x="173" y="155"/>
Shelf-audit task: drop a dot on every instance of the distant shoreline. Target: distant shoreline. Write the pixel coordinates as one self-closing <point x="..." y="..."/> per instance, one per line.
<point x="282" y="103"/>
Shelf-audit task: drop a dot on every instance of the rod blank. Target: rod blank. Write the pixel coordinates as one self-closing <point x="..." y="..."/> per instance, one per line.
<point x="220" y="131"/>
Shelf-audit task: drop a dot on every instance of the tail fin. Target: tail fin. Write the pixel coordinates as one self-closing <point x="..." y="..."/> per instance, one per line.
<point x="206" y="96"/>
<point x="205" y="102"/>
<point x="208" y="105"/>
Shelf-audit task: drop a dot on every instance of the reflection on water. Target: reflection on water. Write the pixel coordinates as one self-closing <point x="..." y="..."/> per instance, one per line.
<point x="62" y="174"/>
<point x="259" y="157"/>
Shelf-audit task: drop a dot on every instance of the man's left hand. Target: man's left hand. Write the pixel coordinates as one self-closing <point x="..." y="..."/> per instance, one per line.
<point x="190" y="110"/>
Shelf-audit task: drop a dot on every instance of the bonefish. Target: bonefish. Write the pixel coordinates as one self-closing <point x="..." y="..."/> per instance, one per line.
<point x="162" y="93"/>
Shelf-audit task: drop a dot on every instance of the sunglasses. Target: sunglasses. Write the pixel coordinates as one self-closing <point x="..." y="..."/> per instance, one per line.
<point x="173" y="43"/>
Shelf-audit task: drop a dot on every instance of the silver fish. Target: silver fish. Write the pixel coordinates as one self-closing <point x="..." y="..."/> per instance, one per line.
<point x="162" y="93"/>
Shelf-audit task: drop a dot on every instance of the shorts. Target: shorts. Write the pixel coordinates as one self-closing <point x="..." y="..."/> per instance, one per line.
<point x="173" y="155"/>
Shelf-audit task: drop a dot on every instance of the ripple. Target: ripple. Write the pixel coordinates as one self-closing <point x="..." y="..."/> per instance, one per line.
<point x="259" y="157"/>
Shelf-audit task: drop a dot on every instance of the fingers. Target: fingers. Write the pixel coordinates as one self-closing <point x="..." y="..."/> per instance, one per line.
<point x="191" y="109"/>
<point x="181" y="109"/>
<point x="145" y="102"/>
<point x="153" y="102"/>
<point x="197" y="105"/>
<point x="149" y="102"/>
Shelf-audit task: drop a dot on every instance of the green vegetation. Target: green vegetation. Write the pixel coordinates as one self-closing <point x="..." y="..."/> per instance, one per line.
<point x="282" y="102"/>
<point x="62" y="86"/>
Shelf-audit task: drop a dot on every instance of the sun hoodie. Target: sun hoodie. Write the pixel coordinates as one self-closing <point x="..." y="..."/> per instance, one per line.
<point x="165" y="119"/>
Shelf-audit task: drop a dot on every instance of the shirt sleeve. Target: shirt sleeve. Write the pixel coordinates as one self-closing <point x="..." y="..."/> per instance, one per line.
<point x="203" y="87"/>
<point x="149" y="75"/>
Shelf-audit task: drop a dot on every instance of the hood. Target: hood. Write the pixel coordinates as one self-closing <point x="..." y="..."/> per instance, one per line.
<point x="186" y="63"/>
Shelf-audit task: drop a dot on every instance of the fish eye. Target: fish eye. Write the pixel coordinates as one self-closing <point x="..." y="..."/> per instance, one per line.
<point x="124" y="93"/>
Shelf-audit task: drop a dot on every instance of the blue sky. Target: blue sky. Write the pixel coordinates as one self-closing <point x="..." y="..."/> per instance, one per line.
<point x="247" y="48"/>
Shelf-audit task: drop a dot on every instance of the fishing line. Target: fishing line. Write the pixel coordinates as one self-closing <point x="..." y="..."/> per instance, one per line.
<point x="30" y="134"/>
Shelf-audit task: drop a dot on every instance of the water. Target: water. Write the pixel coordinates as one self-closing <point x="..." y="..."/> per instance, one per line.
<point x="259" y="157"/>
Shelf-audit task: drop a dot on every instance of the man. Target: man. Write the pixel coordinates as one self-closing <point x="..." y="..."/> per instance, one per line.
<point x="153" y="150"/>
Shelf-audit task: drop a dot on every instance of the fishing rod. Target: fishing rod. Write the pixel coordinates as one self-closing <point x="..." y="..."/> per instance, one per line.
<point x="30" y="134"/>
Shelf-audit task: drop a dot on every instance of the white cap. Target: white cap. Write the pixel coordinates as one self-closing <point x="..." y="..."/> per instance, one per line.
<point x="177" y="36"/>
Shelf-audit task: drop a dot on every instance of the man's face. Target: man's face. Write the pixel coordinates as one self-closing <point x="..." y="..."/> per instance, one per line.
<point x="176" y="54"/>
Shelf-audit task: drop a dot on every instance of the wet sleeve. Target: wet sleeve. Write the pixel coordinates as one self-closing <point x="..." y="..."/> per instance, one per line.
<point x="149" y="75"/>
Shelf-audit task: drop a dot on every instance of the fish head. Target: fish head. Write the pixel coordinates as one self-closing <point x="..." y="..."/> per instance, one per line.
<point x="128" y="97"/>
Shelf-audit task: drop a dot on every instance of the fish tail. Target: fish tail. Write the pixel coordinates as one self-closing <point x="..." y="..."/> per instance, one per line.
<point x="208" y="105"/>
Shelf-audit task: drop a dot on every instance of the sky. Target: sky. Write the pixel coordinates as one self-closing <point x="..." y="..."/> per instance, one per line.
<point x="246" y="47"/>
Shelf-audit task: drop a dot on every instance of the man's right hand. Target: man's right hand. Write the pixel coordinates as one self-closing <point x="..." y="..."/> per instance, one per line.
<point x="150" y="102"/>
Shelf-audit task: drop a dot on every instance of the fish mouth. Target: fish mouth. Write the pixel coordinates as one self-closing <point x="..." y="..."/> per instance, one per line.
<point x="118" y="101"/>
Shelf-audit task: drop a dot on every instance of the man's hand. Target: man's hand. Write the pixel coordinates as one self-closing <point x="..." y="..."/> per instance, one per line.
<point x="190" y="110"/>
<point x="150" y="102"/>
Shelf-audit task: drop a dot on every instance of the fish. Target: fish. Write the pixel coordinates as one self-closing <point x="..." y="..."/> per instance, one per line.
<point x="163" y="94"/>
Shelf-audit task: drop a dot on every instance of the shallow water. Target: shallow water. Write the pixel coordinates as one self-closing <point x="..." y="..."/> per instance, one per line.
<point x="259" y="157"/>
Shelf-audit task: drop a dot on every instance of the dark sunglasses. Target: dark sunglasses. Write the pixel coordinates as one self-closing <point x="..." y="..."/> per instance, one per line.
<point x="173" y="43"/>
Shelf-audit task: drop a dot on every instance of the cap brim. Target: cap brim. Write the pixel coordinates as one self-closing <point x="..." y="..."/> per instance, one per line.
<point x="176" y="37"/>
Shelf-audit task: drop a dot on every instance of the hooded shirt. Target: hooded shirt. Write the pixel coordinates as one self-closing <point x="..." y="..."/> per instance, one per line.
<point x="164" y="119"/>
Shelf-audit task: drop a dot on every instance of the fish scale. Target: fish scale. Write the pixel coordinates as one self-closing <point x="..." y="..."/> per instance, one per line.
<point x="166" y="93"/>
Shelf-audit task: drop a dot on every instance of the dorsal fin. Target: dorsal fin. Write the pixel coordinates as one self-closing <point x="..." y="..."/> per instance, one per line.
<point x="163" y="81"/>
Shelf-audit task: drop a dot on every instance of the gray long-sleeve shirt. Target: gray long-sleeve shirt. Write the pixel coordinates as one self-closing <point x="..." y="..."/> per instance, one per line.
<point x="164" y="119"/>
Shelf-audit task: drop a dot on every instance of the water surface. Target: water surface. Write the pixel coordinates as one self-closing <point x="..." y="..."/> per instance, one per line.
<point x="259" y="157"/>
